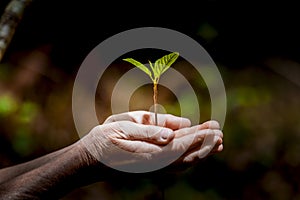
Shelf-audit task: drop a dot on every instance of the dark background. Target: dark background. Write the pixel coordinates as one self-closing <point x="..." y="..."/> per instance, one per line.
<point x="247" y="32"/>
<point x="256" y="47"/>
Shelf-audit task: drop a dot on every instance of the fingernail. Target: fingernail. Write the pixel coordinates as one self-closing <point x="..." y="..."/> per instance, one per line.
<point x="165" y="134"/>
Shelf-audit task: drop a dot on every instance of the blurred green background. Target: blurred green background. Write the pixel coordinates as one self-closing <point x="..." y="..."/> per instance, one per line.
<point x="255" y="47"/>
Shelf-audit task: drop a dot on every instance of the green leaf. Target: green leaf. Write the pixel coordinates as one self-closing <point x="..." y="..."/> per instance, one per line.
<point x="155" y="74"/>
<point x="139" y="65"/>
<point x="164" y="63"/>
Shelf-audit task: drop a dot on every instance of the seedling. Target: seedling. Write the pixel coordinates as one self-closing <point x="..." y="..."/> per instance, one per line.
<point x="160" y="66"/>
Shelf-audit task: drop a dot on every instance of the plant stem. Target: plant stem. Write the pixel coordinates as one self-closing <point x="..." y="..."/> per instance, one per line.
<point x="155" y="101"/>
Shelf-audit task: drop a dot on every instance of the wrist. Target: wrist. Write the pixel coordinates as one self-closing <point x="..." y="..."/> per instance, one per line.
<point x="85" y="157"/>
<point x="90" y="166"/>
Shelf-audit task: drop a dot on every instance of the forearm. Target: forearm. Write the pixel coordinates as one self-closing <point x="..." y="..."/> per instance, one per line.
<point x="9" y="173"/>
<point x="68" y="170"/>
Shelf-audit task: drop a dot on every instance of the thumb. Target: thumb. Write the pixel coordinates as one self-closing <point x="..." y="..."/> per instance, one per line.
<point x="148" y="133"/>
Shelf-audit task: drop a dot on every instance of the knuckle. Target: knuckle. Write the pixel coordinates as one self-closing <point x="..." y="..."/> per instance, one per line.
<point x="214" y="124"/>
<point x="146" y="118"/>
<point x="219" y="133"/>
<point x="110" y="119"/>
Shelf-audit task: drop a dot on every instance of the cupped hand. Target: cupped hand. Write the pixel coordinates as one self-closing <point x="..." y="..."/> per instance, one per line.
<point x="197" y="142"/>
<point x="131" y="142"/>
<point x="147" y="118"/>
<point x="193" y="142"/>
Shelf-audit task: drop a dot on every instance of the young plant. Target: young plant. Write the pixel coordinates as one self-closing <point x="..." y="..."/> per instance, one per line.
<point x="160" y="66"/>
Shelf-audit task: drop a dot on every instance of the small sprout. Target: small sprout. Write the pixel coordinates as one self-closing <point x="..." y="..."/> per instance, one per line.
<point x="160" y="66"/>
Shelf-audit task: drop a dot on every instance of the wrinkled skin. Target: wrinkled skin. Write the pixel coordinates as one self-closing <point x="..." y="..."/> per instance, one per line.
<point x="124" y="142"/>
<point x="131" y="139"/>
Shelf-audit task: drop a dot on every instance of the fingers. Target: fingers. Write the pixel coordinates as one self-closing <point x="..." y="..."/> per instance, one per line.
<point x="191" y="138"/>
<point x="196" y="155"/>
<point x="204" y="150"/>
<point x="212" y="124"/>
<point x="174" y="122"/>
<point x="147" y="133"/>
<point x="140" y="117"/>
<point x="196" y="143"/>
<point x="131" y="139"/>
<point x="200" y="137"/>
<point x="211" y="145"/>
<point x="136" y="146"/>
<point x="147" y="118"/>
<point x="118" y="117"/>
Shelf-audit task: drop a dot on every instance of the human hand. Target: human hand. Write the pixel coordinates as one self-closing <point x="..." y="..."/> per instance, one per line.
<point x="197" y="142"/>
<point x="147" y="118"/>
<point x="129" y="141"/>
